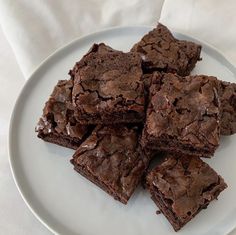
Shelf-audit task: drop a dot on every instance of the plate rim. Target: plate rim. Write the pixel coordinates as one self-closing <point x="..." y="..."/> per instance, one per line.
<point x="57" y="52"/>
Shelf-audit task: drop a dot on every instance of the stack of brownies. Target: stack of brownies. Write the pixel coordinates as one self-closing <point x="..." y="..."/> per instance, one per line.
<point x="121" y="110"/>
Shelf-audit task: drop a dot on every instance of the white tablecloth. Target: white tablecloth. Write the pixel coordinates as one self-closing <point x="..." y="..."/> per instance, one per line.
<point x="34" y="29"/>
<point x="212" y="21"/>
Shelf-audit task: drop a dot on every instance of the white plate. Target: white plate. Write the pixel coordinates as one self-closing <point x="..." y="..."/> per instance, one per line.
<point x="69" y="204"/>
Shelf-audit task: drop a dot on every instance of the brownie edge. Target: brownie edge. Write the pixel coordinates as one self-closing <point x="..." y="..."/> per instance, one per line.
<point x="161" y="51"/>
<point x="182" y="186"/>
<point x="57" y="124"/>
<point x="108" y="87"/>
<point x="227" y="93"/>
<point x="112" y="159"/>
<point x="183" y="115"/>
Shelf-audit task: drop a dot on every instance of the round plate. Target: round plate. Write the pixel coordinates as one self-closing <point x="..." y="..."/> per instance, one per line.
<point x="69" y="204"/>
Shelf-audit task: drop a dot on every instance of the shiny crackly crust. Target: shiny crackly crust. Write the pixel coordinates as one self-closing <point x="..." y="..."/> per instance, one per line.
<point x="227" y="92"/>
<point x="227" y="96"/>
<point x="183" y="114"/>
<point x="108" y="87"/>
<point x="57" y="124"/>
<point x="181" y="186"/>
<point x="162" y="52"/>
<point x="112" y="159"/>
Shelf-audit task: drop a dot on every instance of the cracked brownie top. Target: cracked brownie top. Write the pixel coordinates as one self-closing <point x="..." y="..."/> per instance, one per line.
<point x="108" y="86"/>
<point x="183" y="185"/>
<point x="58" y="114"/>
<point x="112" y="157"/>
<point x="227" y="94"/>
<point x="184" y="108"/>
<point x="162" y="52"/>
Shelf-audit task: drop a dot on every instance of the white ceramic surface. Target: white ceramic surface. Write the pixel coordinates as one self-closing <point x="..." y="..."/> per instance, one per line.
<point x="69" y="204"/>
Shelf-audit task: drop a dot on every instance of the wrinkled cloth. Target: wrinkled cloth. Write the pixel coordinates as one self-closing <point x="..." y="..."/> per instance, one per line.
<point x="35" y="29"/>
<point x="211" y="21"/>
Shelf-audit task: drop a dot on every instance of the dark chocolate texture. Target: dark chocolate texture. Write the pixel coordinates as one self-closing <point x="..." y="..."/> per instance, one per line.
<point x="112" y="159"/>
<point x="227" y="94"/>
<point x="108" y="87"/>
<point x="182" y="186"/>
<point x="183" y="115"/>
<point x="57" y="124"/>
<point x="162" y="52"/>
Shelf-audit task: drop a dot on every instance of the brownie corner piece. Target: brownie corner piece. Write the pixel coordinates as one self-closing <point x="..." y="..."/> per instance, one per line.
<point x="108" y="87"/>
<point x="228" y="108"/>
<point x="161" y="51"/>
<point x="183" y="115"/>
<point x="57" y="124"/>
<point x="112" y="159"/>
<point x="182" y="186"/>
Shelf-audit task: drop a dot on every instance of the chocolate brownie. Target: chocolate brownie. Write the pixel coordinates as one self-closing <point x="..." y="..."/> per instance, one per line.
<point x="227" y="94"/>
<point x="162" y="52"/>
<point x="183" y="115"/>
<point x="108" y="87"/>
<point x="182" y="186"/>
<point x="57" y="124"/>
<point x="112" y="159"/>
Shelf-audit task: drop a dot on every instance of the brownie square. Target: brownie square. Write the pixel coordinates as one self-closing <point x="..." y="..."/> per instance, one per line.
<point x="182" y="186"/>
<point x="57" y="124"/>
<point x="162" y="52"/>
<point x="183" y="115"/>
<point x="112" y="159"/>
<point x="108" y="87"/>
<point x="227" y="94"/>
